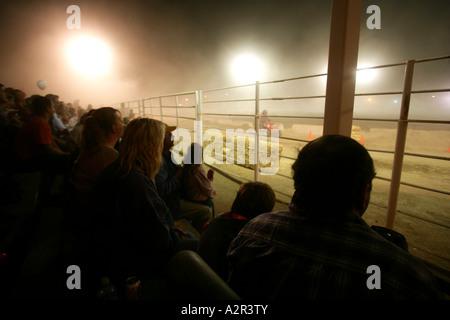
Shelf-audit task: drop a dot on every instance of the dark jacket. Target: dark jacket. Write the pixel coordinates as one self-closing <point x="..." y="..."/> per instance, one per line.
<point x="129" y="236"/>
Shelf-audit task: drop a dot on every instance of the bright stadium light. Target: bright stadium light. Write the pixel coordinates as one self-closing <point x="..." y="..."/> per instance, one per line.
<point x="247" y="68"/>
<point x="89" y="56"/>
<point x="365" y="75"/>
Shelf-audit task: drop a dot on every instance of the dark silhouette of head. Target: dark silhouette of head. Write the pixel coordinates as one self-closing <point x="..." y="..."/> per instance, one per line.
<point x="332" y="175"/>
<point x="253" y="198"/>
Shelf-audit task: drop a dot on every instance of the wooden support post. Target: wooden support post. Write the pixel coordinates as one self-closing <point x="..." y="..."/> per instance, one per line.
<point x="342" y="63"/>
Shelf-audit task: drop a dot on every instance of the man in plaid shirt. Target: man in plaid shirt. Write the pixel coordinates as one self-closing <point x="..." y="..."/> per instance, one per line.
<point x="321" y="248"/>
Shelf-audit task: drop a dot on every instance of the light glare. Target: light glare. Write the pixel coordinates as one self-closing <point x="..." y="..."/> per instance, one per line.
<point x="365" y="75"/>
<point x="247" y="68"/>
<point x="89" y="56"/>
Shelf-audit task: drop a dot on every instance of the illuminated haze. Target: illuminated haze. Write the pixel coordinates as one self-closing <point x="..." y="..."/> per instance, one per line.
<point x="160" y="47"/>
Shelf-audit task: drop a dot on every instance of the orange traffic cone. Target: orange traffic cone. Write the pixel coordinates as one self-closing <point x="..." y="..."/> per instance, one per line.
<point x="362" y="141"/>
<point x="448" y="149"/>
<point x="310" y="136"/>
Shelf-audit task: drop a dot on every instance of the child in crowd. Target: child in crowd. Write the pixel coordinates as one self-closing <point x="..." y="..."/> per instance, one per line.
<point x="252" y="199"/>
<point x="196" y="181"/>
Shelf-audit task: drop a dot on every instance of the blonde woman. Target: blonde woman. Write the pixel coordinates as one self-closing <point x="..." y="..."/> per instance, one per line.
<point x="130" y="236"/>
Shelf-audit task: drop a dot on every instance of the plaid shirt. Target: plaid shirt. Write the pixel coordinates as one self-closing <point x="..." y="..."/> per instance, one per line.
<point x="288" y="255"/>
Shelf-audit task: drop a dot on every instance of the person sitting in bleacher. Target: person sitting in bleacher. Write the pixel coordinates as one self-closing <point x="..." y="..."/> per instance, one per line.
<point x="197" y="184"/>
<point x="34" y="146"/>
<point x="74" y="137"/>
<point x="321" y="248"/>
<point x="170" y="188"/>
<point x="129" y="235"/>
<point x="252" y="199"/>
<point x="101" y="130"/>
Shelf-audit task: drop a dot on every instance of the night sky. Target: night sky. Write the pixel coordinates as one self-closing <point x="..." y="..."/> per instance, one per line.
<point x="167" y="46"/>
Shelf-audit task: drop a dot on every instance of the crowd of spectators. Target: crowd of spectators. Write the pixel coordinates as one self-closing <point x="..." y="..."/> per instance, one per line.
<point x="16" y="110"/>
<point x="129" y="196"/>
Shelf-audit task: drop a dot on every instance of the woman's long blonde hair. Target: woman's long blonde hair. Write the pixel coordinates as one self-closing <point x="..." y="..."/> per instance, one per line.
<point x="141" y="146"/>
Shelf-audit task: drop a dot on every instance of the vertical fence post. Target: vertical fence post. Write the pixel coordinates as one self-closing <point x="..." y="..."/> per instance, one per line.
<point x="176" y="110"/>
<point x="160" y="109"/>
<point x="151" y="107"/>
<point x="198" y="129"/>
<point x="400" y="143"/>
<point x="257" y="116"/>
<point x="122" y="109"/>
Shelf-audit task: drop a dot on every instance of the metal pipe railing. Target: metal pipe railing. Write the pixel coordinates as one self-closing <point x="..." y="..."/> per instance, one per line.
<point x="402" y="122"/>
<point x="199" y="119"/>
<point x="257" y="118"/>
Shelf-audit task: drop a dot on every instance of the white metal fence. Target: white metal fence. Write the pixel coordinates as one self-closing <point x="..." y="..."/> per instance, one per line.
<point x="407" y="94"/>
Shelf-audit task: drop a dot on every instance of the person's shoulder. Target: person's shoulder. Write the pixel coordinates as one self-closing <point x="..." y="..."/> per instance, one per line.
<point x="109" y="152"/>
<point x="38" y="123"/>
<point x="273" y="216"/>
<point x="135" y="174"/>
<point x="224" y="220"/>
<point x="110" y="171"/>
<point x="36" y="120"/>
<point x="269" y="221"/>
<point x="132" y="181"/>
